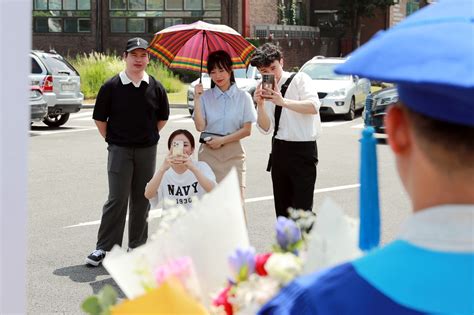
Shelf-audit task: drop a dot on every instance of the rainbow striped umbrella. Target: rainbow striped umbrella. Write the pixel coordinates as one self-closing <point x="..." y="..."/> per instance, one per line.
<point x="186" y="46"/>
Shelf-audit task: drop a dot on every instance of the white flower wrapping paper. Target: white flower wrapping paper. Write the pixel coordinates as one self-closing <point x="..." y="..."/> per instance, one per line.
<point x="208" y="233"/>
<point x="334" y="238"/>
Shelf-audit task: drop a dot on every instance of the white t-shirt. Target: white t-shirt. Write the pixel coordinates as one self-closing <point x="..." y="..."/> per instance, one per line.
<point x="181" y="189"/>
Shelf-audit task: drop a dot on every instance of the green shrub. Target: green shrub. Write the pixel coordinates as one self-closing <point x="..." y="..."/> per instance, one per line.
<point x="96" y="68"/>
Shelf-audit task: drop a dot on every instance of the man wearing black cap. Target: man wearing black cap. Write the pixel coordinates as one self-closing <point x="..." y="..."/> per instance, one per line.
<point x="429" y="268"/>
<point x="130" y="110"/>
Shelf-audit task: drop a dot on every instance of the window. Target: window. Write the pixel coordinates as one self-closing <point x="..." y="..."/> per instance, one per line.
<point x="58" y="16"/>
<point x="136" y="4"/>
<point x="55" y="5"/>
<point x="118" y="4"/>
<point x="70" y="25"/>
<point x="170" y="22"/>
<point x="41" y="4"/>
<point x="212" y="4"/>
<point x="174" y="4"/>
<point x="193" y="4"/>
<point x="118" y="25"/>
<point x="151" y="16"/>
<point x="83" y="25"/>
<point x="155" y="25"/>
<point x="35" y="67"/>
<point x="154" y="5"/>
<point x="55" y="25"/>
<point x="136" y="25"/>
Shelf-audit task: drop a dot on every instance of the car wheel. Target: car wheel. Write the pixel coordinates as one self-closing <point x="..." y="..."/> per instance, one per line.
<point x="53" y="120"/>
<point x="351" y="113"/>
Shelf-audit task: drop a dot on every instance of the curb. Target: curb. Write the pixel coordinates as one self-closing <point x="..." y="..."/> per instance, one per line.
<point x="90" y="106"/>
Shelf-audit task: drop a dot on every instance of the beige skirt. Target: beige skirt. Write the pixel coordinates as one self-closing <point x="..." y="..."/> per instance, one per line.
<point x="222" y="160"/>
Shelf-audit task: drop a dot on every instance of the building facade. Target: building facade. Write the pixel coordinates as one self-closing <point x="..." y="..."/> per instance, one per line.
<point x="313" y="27"/>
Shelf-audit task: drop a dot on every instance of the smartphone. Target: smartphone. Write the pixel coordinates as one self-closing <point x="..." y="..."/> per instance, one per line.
<point x="268" y="81"/>
<point x="177" y="148"/>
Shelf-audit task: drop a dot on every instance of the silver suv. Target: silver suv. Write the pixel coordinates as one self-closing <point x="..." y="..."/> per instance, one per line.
<point x="60" y="83"/>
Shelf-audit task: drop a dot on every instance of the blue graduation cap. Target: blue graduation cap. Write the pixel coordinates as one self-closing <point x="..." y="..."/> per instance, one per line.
<point x="430" y="57"/>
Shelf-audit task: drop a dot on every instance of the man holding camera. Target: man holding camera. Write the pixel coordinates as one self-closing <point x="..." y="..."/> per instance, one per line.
<point x="291" y="110"/>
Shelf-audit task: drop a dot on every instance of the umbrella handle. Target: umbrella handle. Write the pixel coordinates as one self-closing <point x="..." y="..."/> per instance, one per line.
<point x="202" y="55"/>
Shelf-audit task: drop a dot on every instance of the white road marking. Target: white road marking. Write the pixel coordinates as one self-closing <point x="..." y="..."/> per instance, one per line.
<point x="156" y="213"/>
<point x="189" y="120"/>
<point x="358" y="126"/>
<point x="334" y="123"/>
<point x="82" y="114"/>
<point x="53" y="132"/>
<point x="88" y="116"/>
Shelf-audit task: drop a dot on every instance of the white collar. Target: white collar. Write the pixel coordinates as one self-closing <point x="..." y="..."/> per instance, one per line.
<point x="126" y="80"/>
<point x="443" y="228"/>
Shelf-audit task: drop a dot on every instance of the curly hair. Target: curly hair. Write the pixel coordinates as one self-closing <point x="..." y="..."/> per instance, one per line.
<point x="265" y="55"/>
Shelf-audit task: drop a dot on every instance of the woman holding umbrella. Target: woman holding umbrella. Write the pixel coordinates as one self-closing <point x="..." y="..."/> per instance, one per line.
<point x="224" y="114"/>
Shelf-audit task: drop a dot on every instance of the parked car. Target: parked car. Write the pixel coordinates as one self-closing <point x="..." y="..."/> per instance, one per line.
<point x="339" y="94"/>
<point x="38" y="106"/>
<point x="376" y="107"/>
<point x="60" y="84"/>
<point x="246" y="80"/>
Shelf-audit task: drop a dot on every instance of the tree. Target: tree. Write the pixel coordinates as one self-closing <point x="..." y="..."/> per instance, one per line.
<point x="352" y="11"/>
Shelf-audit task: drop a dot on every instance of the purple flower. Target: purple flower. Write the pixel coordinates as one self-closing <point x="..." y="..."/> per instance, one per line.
<point x="287" y="233"/>
<point x="242" y="263"/>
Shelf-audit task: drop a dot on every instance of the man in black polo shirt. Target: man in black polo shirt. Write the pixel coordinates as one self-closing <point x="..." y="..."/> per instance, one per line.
<point x="130" y="110"/>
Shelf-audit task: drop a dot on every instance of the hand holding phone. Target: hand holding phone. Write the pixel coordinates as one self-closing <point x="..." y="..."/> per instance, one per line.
<point x="268" y="82"/>
<point x="177" y="148"/>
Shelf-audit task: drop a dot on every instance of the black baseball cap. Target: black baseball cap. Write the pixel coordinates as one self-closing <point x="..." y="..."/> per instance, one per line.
<point x="135" y="43"/>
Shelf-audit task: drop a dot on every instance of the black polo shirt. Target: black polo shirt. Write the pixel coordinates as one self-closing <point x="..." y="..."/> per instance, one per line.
<point x="131" y="113"/>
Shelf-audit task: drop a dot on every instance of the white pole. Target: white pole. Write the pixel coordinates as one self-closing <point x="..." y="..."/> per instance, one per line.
<point x="15" y="43"/>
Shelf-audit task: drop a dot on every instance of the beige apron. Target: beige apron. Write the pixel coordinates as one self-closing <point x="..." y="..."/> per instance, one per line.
<point x="223" y="159"/>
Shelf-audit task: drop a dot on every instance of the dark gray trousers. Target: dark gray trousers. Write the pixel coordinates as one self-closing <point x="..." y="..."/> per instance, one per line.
<point x="129" y="170"/>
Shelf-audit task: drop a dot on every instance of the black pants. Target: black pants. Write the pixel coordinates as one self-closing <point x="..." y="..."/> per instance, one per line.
<point x="129" y="170"/>
<point x="293" y="175"/>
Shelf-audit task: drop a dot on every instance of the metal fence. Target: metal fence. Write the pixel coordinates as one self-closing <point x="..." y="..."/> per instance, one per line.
<point x="285" y="31"/>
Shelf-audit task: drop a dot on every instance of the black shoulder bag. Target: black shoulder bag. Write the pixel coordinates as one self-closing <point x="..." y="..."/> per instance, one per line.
<point x="278" y="109"/>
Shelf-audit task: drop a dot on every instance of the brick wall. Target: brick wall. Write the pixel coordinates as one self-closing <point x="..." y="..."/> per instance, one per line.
<point x="263" y="12"/>
<point x="297" y="52"/>
<point x="370" y="26"/>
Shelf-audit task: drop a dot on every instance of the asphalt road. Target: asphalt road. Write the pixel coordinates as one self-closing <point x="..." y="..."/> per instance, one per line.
<point x="68" y="186"/>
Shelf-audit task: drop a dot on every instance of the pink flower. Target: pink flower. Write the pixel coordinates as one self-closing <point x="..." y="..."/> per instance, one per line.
<point x="260" y="261"/>
<point x="223" y="300"/>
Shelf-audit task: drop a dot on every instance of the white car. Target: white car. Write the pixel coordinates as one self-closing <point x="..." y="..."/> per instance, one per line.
<point x="339" y="94"/>
<point x="246" y="80"/>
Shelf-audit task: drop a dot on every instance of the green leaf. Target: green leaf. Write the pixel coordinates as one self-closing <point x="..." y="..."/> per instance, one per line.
<point x="243" y="273"/>
<point x="91" y="305"/>
<point x="107" y="296"/>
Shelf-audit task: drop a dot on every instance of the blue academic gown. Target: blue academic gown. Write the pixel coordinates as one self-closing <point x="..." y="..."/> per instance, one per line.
<point x="401" y="278"/>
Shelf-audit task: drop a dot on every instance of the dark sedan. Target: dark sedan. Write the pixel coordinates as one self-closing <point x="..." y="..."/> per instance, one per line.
<point x="376" y="106"/>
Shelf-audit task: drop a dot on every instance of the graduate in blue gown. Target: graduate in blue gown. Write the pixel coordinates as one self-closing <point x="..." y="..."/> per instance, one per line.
<point x="429" y="268"/>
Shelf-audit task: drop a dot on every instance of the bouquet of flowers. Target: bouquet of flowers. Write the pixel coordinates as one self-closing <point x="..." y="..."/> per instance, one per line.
<point x="256" y="278"/>
<point x="177" y="271"/>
